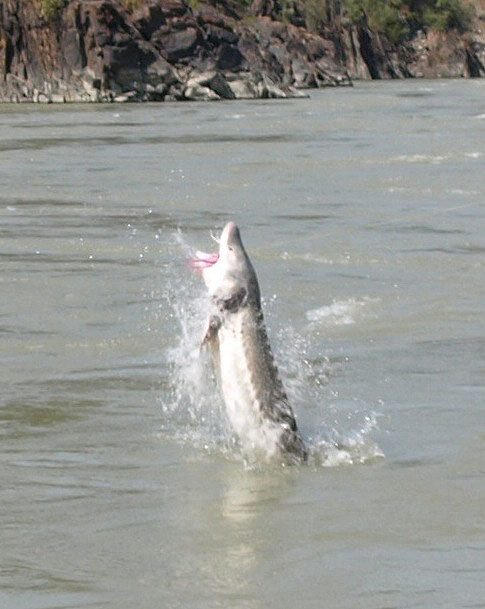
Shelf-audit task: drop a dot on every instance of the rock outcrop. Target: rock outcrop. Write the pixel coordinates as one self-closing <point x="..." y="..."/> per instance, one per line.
<point x="368" y="55"/>
<point x="420" y="53"/>
<point x="95" y="50"/>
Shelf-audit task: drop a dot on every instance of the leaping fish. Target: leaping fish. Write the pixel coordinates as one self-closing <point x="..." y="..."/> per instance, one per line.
<point x="256" y="402"/>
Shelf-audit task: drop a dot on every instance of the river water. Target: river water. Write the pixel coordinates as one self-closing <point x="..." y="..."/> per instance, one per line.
<point x="121" y="484"/>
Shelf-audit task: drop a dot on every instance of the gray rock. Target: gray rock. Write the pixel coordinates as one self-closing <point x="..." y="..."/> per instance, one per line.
<point x="197" y="92"/>
<point x="267" y="89"/>
<point x="177" y="44"/>
<point x="219" y="85"/>
<point x="213" y="80"/>
<point x="129" y="96"/>
<point x="244" y="88"/>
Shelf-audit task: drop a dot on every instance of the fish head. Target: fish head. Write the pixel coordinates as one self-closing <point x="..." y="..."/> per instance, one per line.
<point x="229" y="275"/>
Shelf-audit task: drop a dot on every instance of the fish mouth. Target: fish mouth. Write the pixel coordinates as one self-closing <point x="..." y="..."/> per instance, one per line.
<point x="202" y="261"/>
<point x="229" y="236"/>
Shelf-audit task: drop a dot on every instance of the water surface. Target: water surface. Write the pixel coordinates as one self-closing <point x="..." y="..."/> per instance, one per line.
<point x="120" y="483"/>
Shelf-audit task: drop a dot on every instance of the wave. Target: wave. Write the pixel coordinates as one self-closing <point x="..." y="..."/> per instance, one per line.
<point x="341" y="312"/>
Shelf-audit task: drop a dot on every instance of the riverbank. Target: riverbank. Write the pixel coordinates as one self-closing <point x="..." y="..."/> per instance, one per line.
<point x="166" y="50"/>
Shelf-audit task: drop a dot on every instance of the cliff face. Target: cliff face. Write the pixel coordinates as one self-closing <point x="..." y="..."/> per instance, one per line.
<point x="368" y="55"/>
<point x="95" y="50"/>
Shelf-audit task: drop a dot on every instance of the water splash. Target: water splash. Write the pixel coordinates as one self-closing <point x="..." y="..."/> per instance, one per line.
<point x="192" y="408"/>
<point x="193" y="411"/>
<point x="337" y="431"/>
<point x="346" y="442"/>
<point x="339" y="313"/>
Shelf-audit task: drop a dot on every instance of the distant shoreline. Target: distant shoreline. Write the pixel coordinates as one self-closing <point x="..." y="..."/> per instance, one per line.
<point x="172" y="50"/>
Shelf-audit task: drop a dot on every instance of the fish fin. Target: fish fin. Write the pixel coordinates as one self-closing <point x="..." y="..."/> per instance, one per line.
<point x="211" y="338"/>
<point x="210" y="335"/>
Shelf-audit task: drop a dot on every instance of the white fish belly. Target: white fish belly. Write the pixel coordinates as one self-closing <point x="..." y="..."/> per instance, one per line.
<point x="239" y="389"/>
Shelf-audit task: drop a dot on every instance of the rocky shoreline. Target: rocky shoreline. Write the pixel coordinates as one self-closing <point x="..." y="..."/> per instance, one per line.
<point x="167" y="50"/>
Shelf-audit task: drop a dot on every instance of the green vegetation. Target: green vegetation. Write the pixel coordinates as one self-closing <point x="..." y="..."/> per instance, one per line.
<point x="444" y="15"/>
<point x="51" y="8"/>
<point x="398" y="18"/>
<point x="389" y="18"/>
<point x="131" y="5"/>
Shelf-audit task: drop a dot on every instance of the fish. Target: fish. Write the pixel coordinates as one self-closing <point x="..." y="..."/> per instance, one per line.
<point x="256" y="403"/>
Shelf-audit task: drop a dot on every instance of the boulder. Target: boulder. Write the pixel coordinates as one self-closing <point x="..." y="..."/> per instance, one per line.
<point x="196" y="92"/>
<point x="176" y="44"/>
<point x="215" y="82"/>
